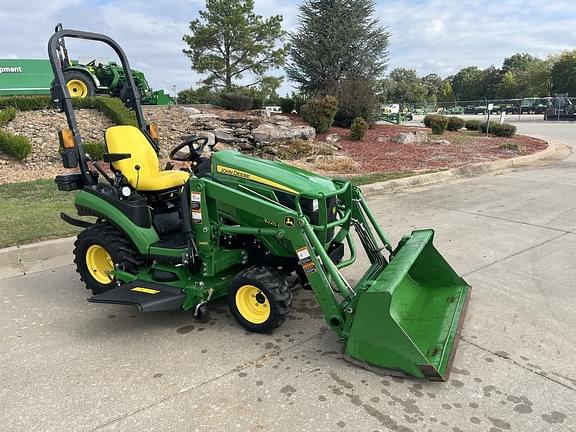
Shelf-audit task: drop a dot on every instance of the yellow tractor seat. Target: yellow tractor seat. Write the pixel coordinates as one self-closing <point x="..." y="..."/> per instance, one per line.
<point x="129" y="139"/>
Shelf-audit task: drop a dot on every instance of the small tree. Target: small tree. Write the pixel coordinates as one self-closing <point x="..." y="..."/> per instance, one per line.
<point x="358" y="129"/>
<point x="229" y="41"/>
<point x="356" y="98"/>
<point x="319" y="112"/>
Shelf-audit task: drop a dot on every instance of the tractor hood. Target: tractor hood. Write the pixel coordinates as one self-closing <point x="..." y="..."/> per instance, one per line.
<point x="233" y="167"/>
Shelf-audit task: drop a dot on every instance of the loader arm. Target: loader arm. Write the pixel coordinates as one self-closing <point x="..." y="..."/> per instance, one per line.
<point x="403" y="315"/>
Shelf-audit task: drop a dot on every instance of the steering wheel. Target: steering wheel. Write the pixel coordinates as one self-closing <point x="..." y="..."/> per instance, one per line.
<point x="195" y="146"/>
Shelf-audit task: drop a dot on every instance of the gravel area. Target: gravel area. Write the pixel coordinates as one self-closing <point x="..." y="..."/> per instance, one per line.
<point x="377" y="152"/>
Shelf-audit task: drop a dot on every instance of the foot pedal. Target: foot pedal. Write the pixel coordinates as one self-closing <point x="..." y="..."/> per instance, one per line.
<point x="146" y="296"/>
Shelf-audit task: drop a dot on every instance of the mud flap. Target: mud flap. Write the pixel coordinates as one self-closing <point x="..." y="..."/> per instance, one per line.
<point x="408" y="316"/>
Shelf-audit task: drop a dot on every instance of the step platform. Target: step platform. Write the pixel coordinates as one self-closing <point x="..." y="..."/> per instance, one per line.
<point x="146" y="296"/>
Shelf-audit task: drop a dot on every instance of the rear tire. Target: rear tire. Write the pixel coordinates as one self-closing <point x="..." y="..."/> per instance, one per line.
<point x="259" y="299"/>
<point x="98" y="249"/>
<point x="79" y="84"/>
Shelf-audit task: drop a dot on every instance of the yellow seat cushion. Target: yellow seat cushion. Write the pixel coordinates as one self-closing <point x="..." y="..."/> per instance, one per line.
<point x="129" y="139"/>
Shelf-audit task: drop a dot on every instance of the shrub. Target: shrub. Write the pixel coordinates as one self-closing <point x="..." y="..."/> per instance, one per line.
<point x="455" y="123"/>
<point x="484" y="126"/>
<point x="428" y="119"/>
<point x="17" y="146"/>
<point x="299" y="101"/>
<point x="7" y="115"/>
<point x="503" y="130"/>
<point x="359" y="128"/>
<point x="319" y="112"/>
<point x="95" y="149"/>
<point x="297" y="149"/>
<point x="236" y="102"/>
<point x="26" y="103"/>
<point x="113" y="108"/>
<point x="438" y="124"/>
<point x="287" y="105"/>
<point x="258" y="102"/>
<point x="201" y="95"/>
<point x="510" y="146"/>
<point x="356" y="98"/>
<point x="474" y="125"/>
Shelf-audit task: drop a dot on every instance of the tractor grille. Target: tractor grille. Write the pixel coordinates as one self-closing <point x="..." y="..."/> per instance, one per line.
<point x="308" y="209"/>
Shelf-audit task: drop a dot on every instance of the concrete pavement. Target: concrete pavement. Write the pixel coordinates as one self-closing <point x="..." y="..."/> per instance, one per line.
<point x="70" y="365"/>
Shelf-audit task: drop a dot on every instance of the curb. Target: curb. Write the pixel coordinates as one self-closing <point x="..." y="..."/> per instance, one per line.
<point x="51" y="254"/>
<point x="552" y="150"/>
<point x="35" y="257"/>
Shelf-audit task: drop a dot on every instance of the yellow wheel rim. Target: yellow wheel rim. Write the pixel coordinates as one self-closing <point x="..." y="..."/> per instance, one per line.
<point x="100" y="264"/>
<point x="77" y="88"/>
<point x="252" y="304"/>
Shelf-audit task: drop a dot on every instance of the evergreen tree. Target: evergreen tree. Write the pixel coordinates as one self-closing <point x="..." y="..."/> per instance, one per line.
<point x="229" y="41"/>
<point x="336" y="41"/>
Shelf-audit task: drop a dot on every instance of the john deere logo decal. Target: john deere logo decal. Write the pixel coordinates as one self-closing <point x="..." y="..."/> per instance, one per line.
<point x="289" y="221"/>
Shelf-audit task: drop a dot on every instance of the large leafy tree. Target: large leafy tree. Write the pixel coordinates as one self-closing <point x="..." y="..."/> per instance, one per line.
<point x="519" y="62"/>
<point x="538" y="77"/>
<point x="465" y="84"/>
<point x="337" y="41"/>
<point x="563" y="74"/>
<point x="489" y="84"/>
<point x="433" y="84"/>
<point x="403" y="86"/>
<point x="234" y="46"/>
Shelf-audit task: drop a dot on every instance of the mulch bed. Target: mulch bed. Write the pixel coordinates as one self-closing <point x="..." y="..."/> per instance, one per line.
<point x="378" y="153"/>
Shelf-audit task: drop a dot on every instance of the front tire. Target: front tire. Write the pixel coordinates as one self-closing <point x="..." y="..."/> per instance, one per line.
<point x="259" y="299"/>
<point x="98" y="250"/>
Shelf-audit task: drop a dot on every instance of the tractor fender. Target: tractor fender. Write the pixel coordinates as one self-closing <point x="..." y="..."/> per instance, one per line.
<point x="89" y="204"/>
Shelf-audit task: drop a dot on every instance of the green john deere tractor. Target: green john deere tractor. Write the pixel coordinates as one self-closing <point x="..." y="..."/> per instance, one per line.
<point x="240" y="227"/>
<point x="96" y="78"/>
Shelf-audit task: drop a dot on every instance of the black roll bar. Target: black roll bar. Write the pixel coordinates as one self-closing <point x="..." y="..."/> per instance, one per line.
<point x="61" y="96"/>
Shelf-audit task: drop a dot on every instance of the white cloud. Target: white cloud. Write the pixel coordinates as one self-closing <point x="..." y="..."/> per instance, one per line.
<point x="439" y="36"/>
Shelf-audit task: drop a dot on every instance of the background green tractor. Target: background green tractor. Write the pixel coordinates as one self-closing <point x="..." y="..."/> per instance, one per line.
<point x="94" y="78"/>
<point x="241" y="228"/>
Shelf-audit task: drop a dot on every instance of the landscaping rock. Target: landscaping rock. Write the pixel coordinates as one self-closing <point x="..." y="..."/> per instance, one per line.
<point x="211" y="137"/>
<point x="241" y="132"/>
<point x="245" y="146"/>
<point x="333" y="138"/>
<point x="221" y="147"/>
<point x="277" y="133"/>
<point x="440" y="142"/>
<point x="223" y="137"/>
<point x="416" y="137"/>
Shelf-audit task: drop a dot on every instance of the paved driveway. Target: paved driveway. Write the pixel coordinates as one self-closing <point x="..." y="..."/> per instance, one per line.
<point x="69" y="365"/>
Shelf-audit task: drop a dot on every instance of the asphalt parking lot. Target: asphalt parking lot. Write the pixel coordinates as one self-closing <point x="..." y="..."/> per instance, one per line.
<point x="70" y="365"/>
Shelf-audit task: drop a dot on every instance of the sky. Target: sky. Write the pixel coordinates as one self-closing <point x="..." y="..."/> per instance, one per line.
<point x="430" y="36"/>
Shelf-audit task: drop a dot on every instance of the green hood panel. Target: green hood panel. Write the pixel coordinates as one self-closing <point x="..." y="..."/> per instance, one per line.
<point x="233" y="167"/>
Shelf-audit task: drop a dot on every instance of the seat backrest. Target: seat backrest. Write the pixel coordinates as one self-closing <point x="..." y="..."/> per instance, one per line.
<point x="129" y="139"/>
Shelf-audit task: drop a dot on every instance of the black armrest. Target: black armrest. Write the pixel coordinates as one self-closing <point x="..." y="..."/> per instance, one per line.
<point x="115" y="157"/>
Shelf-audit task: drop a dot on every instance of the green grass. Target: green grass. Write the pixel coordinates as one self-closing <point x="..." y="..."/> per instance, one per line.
<point x="31" y="212"/>
<point x="381" y="177"/>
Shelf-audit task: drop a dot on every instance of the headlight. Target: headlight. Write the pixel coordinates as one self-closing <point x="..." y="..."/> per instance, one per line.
<point x="315" y="205"/>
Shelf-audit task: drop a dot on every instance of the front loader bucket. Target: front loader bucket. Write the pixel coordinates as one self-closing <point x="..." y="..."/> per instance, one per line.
<point x="408" y="316"/>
